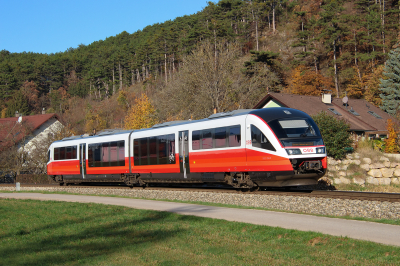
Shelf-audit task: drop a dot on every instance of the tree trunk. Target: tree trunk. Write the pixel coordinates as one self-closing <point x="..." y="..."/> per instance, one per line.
<point x="113" y="80"/>
<point x="273" y="17"/>
<point x="336" y="72"/>
<point x="165" y="68"/>
<point x="120" y="76"/>
<point x="355" y="57"/>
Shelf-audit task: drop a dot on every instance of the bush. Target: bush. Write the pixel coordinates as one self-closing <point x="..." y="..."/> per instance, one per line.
<point x="335" y="133"/>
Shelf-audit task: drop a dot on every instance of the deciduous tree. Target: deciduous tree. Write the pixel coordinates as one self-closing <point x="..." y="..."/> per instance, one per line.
<point x="141" y="115"/>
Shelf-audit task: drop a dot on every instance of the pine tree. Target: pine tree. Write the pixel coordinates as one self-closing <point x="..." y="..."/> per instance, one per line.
<point x="390" y="85"/>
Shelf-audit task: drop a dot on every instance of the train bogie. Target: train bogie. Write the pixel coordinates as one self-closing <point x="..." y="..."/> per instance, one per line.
<point x="243" y="149"/>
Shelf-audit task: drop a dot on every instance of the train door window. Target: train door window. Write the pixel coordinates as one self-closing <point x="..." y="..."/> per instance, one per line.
<point x="220" y="137"/>
<point x="234" y="136"/>
<point x="153" y="150"/>
<point x="207" y="139"/>
<point x="196" y="140"/>
<point x="259" y="140"/>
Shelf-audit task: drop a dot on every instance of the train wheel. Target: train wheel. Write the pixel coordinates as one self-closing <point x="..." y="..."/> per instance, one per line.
<point x="240" y="181"/>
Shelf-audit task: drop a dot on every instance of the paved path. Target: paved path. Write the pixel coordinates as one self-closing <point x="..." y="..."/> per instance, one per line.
<point x="375" y="232"/>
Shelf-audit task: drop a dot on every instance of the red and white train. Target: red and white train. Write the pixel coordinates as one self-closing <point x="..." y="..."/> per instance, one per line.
<point x="272" y="147"/>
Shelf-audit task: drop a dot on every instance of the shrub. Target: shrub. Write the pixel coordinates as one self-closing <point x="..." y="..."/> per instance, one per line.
<point x="391" y="143"/>
<point x="335" y="133"/>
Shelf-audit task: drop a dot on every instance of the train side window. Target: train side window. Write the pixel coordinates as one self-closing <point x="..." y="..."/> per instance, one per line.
<point x="121" y="153"/>
<point x="207" y="139"/>
<point x="113" y="155"/>
<point x="234" y="136"/>
<point x="259" y="140"/>
<point x="90" y="156"/>
<point x="74" y="149"/>
<point x="68" y="153"/>
<point x="196" y="140"/>
<point x="161" y="150"/>
<point x="62" y="153"/>
<point x="153" y="150"/>
<point x="56" y="154"/>
<point x="97" y="155"/>
<point x="144" y="151"/>
<point x="220" y="137"/>
<point x="166" y="149"/>
<point x="136" y="152"/>
<point x="106" y="154"/>
<point x="65" y="153"/>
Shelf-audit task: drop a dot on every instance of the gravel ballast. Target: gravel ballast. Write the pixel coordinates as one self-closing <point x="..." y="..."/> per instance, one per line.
<point x="309" y="205"/>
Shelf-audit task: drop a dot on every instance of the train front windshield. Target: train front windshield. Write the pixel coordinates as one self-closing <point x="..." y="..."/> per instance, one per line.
<point x="297" y="132"/>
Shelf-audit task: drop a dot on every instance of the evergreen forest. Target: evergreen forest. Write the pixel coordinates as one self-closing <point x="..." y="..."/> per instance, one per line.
<point x="227" y="56"/>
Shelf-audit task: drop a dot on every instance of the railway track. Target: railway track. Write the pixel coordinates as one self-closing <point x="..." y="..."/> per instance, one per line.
<point x="351" y="195"/>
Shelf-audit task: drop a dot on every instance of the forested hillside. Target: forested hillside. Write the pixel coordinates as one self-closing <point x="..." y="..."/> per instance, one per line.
<point x="227" y="56"/>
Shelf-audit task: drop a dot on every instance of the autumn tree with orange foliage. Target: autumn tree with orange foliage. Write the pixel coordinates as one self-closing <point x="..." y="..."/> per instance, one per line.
<point x="371" y="84"/>
<point x="29" y="90"/>
<point x="392" y="142"/>
<point x="367" y="87"/>
<point x="305" y="81"/>
<point x="141" y="114"/>
<point x="355" y="89"/>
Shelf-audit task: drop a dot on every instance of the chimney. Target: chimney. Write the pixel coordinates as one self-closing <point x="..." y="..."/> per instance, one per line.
<point x="326" y="98"/>
<point x="16" y="114"/>
<point x="43" y="111"/>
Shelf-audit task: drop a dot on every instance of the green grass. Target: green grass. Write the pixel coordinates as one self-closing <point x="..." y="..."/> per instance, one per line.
<point x="59" y="233"/>
<point x="384" y="221"/>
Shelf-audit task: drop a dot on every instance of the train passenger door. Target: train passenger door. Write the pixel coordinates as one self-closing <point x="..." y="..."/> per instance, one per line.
<point x="184" y="152"/>
<point x="82" y="159"/>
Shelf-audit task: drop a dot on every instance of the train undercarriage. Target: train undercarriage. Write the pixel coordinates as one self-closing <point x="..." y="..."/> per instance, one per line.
<point x="238" y="180"/>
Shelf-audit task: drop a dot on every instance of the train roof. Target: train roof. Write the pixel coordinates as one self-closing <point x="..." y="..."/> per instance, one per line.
<point x="267" y="114"/>
<point x="272" y="113"/>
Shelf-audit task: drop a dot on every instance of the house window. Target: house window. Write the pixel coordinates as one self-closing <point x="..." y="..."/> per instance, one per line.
<point x="374" y="114"/>
<point x="334" y="111"/>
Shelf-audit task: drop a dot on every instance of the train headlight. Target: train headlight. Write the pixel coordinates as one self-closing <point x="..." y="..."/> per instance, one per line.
<point x="293" y="151"/>
<point x="320" y="150"/>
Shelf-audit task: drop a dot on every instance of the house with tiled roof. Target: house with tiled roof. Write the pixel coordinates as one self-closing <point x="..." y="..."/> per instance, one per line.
<point x="27" y="131"/>
<point x="363" y="117"/>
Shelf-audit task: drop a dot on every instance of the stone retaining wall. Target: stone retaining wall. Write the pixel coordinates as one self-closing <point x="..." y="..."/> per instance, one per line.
<point x="363" y="171"/>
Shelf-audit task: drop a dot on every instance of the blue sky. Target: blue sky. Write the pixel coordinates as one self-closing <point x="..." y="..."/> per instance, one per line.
<point x="51" y="26"/>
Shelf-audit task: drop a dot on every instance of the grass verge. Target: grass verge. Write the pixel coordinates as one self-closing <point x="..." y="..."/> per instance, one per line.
<point x="384" y="221"/>
<point x="59" y="233"/>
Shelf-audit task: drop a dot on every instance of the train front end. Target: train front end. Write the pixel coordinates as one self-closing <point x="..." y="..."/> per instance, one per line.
<point x="298" y="144"/>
